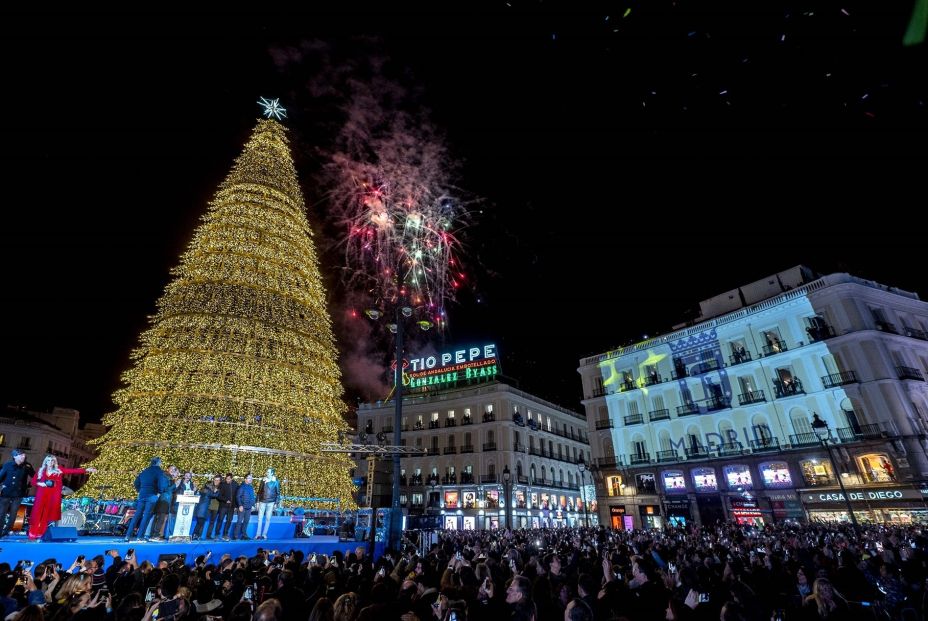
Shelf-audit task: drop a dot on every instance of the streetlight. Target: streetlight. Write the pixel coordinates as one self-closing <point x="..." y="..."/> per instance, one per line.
<point x="586" y="514"/>
<point x="506" y="490"/>
<point x="403" y="311"/>
<point x="820" y="428"/>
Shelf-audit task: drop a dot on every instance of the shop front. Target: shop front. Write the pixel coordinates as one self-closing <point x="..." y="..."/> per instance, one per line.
<point x="678" y="511"/>
<point x="786" y="506"/>
<point x="650" y="516"/>
<point x="746" y="511"/>
<point x="883" y="505"/>
<point x="619" y="519"/>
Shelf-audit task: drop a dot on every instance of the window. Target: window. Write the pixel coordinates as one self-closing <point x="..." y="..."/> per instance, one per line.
<point x="817" y="472"/>
<point x="738" y="477"/>
<point x="774" y="344"/>
<point x="876" y="468"/>
<point x="614" y="485"/>
<point x="434" y="417"/>
<point x="25" y="442"/>
<point x="451" y="414"/>
<point x="800" y="421"/>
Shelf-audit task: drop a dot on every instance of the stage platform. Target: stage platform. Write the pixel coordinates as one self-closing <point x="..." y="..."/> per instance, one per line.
<point x="14" y="548"/>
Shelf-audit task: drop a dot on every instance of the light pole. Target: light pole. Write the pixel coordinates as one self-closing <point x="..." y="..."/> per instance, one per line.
<point x="403" y="312"/>
<point x="586" y="514"/>
<point x="820" y="428"/>
<point x="507" y="476"/>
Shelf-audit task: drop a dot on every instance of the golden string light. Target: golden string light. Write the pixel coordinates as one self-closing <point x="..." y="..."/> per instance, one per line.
<point x="237" y="370"/>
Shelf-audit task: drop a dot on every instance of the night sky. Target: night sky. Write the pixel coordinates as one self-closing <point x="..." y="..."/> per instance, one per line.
<point x="631" y="160"/>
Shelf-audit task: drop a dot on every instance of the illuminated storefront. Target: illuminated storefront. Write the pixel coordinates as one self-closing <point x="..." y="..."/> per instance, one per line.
<point x="893" y="505"/>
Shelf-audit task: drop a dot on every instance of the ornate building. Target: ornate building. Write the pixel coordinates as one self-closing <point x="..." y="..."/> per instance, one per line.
<point x="716" y="420"/>
<point x="473" y="438"/>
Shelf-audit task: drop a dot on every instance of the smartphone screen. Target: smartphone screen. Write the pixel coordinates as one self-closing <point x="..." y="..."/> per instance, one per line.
<point x="703" y="598"/>
<point x="249" y="594"/>
<point x="130" y="552"/>
<point x="150" y="594"/>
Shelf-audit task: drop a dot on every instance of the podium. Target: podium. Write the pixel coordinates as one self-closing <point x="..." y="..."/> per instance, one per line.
<point x="186" y="508"/>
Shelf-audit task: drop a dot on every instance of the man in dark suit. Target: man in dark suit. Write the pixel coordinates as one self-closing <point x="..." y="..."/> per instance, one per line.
<point x="150" y="484"/>
<point x="14" y="483"/>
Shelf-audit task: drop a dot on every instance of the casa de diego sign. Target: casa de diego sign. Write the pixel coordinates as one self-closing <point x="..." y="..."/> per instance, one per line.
<point x="447" y="369"/>
<point x="870" y="495"/>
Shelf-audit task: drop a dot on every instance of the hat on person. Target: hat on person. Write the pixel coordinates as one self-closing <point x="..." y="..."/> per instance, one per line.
<point x="17" y="452"/>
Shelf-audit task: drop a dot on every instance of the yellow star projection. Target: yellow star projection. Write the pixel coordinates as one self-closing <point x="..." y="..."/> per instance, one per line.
<point x="237" y="371"/>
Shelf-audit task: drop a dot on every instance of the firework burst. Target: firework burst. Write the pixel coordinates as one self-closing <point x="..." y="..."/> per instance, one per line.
<point x="400" y="217"/>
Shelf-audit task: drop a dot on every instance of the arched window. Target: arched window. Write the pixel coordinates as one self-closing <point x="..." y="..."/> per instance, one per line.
<point x="800" y="421"/>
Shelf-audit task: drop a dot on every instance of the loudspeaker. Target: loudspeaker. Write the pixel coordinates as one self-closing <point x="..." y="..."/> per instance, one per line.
<point x="60" y="533"/>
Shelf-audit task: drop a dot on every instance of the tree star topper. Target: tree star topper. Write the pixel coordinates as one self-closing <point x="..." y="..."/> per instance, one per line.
<point x="272" y="108"/>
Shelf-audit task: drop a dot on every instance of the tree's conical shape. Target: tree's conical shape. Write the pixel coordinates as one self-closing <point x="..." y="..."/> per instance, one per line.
<point x="237" y="371"/>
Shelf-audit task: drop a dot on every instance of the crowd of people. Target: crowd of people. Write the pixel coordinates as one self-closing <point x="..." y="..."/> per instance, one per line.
<point x="728" y="572"/>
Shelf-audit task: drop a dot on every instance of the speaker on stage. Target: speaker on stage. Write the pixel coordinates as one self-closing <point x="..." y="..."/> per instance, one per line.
<point x="60" y="533"/>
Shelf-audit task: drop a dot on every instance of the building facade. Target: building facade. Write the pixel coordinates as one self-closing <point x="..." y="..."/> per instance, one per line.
<point x="473" y="437"/>
<point x="38" y="434"/>
<point x="715" y="420"/>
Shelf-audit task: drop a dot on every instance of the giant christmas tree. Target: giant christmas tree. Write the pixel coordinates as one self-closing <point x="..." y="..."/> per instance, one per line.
<point x="237" y="371"/>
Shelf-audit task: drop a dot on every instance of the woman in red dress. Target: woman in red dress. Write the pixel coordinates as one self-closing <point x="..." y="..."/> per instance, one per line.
<point x="47" y="507"/>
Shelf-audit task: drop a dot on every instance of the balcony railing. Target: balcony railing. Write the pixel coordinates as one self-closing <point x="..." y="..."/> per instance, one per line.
<point x="598" y="391"/>
<point x="739" y="357"/>
<point x="861" y="432"/>
<point x="915" y="333"/>
<point x="522" y="479"/>
<point x="715" y="403"/>
<point x="449" y="479"/>
<point x="655" y="415"/>
<point x="627" y="385"/>
<point x="450" y="422"/>
<point x="752" y="396"/>
<point x="434" y="424"/>
<point x="820" y="332"/>
<point x="839" y="379"/>
<point x="774" y="348"/>
<point x="909" y="373"/>
<point x="467" y="448"/>
<point x="696" y="452"/>
<point x="885" y="326"/>
<point x="604" y="424"/>
<point x="687" y="409"/>
<point x="634" y="419"/>
<point x="489" y="417"/>
<point x="434" y="451"/>
<point x="518" y="448"/>
<point x="489" y="478"/>
<point x="804" y="439"/>
<point x="466" y="478"/>
<point x="705" y="366"/>
<point x="788" y="388"/>
<point x="609" y="462"/>
<point x="451" y="450"/>
<point x="668" y="455"/>
<point x="728" y="449"/>
<point x="652" y="379"/>
<point x="467" y="420"/>
<point x="642" y="458"/>
<point x="765" y="444"/>
<point x="489" y="446"/>
<point x="388" y="429"/>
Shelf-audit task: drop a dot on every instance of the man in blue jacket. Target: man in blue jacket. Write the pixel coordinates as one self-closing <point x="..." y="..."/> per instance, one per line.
<point x="245" y="498"/>
<point x="15" y="477"/>
<point x="151" y="483"/>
